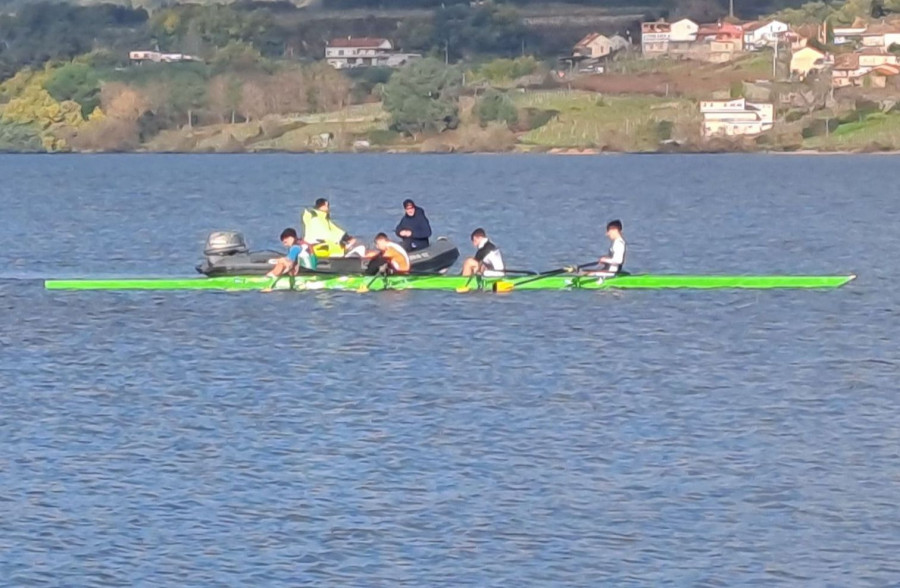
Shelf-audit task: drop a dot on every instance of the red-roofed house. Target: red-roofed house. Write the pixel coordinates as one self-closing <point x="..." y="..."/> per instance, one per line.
<point x="881" y="35"/>
<point x="875" y="56"/>
<point x="846" y="70"/>
<point x="594" y="46"/>
<point x="722" y="31"/>
<point x="879" y="77"/>
<point x="364" y="52"/>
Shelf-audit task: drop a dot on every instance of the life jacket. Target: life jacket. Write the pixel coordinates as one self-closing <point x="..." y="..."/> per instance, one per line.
<point x="318" y="228"/>
<point x="310" y="253"/>
<point x="398" y="257"/>
<point x="328" y="249"/>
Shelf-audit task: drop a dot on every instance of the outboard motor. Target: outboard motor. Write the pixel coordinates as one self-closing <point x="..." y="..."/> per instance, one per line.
<point x="221" y="243"/>
<point x="226" y="254"/>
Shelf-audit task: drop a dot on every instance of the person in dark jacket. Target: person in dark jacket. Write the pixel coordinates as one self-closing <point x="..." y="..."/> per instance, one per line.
<point x="414" y="227"/>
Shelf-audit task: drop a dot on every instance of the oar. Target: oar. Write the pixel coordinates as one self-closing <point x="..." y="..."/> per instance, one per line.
<point x="506" y="286"/>
<point x="272" y="285"/>
<point x="465" y="288"/>
<point x="365" y="287"/>
<point x="520" y="272"/>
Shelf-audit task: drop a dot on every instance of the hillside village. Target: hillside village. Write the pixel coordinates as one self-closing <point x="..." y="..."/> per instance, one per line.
<point x="658" y="85"/>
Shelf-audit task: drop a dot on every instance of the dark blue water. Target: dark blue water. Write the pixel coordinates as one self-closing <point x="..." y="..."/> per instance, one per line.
<point x="435" y="439"/>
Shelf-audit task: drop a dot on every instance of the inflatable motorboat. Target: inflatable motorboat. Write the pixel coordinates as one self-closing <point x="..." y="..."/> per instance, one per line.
<point x="226" y="254"/>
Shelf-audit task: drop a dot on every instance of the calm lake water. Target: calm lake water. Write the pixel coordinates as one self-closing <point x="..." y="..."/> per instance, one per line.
<point x="435" y="439"/>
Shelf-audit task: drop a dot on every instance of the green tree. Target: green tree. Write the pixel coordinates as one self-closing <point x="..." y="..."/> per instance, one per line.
<point x="237" y="56"/>
<point x="78" y="82"/>
<point x="463" y="31"/>
<point x="496" y="106"/>
<point x="423" y="96"/>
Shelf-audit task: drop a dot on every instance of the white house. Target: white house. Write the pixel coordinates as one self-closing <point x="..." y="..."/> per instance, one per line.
<point x="157" y="57"/>
<point x="763" y="33"/>
<point x="364" y="52"/>
<point x="736" y="117"/>
<point x="683" y="30"/>
<point x="843" y="35"/>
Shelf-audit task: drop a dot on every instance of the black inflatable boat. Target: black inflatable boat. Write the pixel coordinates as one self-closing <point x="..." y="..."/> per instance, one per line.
<point x="226" y="254"/>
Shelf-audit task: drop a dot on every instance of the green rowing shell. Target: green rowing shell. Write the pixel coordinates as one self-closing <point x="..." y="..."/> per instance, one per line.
<point x="556" y="282"/>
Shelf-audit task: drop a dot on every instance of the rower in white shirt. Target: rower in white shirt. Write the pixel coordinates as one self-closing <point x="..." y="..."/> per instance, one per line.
<point x="613" y="262"/>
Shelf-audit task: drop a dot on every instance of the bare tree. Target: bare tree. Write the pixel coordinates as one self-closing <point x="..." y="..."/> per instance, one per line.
<point x="122" y="101"/>
<point x="253" y="103"/>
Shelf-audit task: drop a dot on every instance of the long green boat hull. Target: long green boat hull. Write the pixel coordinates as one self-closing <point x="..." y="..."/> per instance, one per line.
<point x="355" y="282"/>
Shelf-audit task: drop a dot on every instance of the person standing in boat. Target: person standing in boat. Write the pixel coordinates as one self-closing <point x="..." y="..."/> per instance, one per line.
<point x="325" y="235"/>
<point x="414" y="227"/>
<point x="299" y="256"/>
<point x="390" y="259"/>
<point x="613" y="262"/>
<point x="487" y="261"/>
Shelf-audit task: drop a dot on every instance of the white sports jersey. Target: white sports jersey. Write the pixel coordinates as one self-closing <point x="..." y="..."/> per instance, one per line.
<point x="490" y="257"/>
<point x="617" y="255"/>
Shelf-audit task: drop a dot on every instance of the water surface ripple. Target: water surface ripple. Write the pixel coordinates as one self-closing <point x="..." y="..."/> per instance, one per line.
<point x="435" y="439"/>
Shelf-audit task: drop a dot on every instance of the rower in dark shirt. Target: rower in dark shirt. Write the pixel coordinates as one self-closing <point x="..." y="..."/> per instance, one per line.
<point x="414" y="227"/>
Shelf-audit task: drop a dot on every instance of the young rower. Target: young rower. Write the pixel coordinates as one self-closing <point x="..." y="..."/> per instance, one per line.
<point x="487" y="261"/>
<point x="391" y="258"/>
<point x="299" y="255"/>
<point x="613" y="262"/>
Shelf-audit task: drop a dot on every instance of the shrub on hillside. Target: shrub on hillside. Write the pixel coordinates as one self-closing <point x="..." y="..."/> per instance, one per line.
<point x="508" y="69"/>
<point x="494" y="138"/>
<point x="664" y="130"/>
<point x="77" y="82"/>
<point x="534" y="118"/>
<point x="18" y="138"/>
<point x="106" y="134"/>
<point x="820" y="127"/>
<point x="383" y="137"/>
<point x="496" y="106"/>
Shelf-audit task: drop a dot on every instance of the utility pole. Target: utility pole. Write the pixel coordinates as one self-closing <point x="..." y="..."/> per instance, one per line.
<point x="731" y="8"/>
<point x="775" y="62"/>
<point x="447" y="52"/>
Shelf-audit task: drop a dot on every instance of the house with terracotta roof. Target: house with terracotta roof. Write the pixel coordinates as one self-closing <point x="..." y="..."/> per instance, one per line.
<point x="846" y="70"/>
<point x="724" y="32"/>
<point x="854" y="69"/>
<point x="365" y="52"/>
<point x="882" y="76"/>
<point x="875" y="56"/>
<point x="593" y="45"/>
<point x="881" y="35"/>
